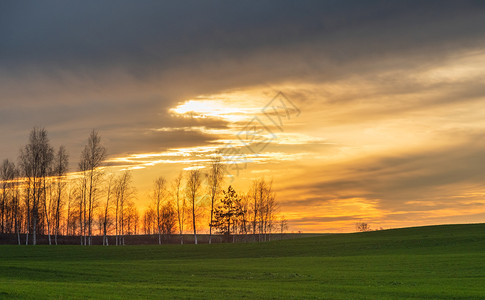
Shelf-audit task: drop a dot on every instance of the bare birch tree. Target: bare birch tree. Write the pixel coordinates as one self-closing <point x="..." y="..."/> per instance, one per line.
<point x="283" y="226"/>
<point x="35" y="159"/>
<point x="214" y="182"/>
<point x="194" y="182"/>
<point x="106" y="210"/>
<point x="169" y="219"/>
<point x="180" y="204"/>
<point x="263" y="208"/>
<point x="81" y="198"/>
<point x="61" y="162"/>
<point x="16" y="204"/>
<point x="91" y="160"/>
<point x="123" y="192"/>
<point x="69" y="218"/>
<point x="253" y="193"/>
<point x="7" y="175"/>
<point x="159" y="194"/>
<point x="244" y="223"/>
<point x="26" y="172"/>
<point x="149" y="220"/>
<point x="47" y="207"/>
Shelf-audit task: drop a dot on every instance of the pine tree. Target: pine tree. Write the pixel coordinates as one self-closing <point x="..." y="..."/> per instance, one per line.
<point x="227" y="213"/>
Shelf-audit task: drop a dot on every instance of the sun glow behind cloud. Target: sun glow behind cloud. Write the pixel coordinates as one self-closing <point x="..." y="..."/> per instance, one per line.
<point x="237" y="108"/>
<point x="232" y="107"/>
<point x="359" y="145"/>
<point x="348" y="125"/>
<point x="339" y="162"/>
<point x="232" y="142"/>
<point x="391" y="131"/>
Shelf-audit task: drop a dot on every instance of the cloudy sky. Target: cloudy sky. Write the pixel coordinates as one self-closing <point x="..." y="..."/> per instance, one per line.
<point x="358" y="110"/>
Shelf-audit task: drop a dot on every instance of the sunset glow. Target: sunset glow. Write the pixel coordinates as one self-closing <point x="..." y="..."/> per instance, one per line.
<point x="360" y="124"/>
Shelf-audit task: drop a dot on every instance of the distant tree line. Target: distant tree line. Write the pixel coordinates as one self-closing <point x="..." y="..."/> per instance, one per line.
<point x="39" y="196"/>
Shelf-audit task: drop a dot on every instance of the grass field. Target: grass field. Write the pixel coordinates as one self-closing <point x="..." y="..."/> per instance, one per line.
<point x="438" y="262"/>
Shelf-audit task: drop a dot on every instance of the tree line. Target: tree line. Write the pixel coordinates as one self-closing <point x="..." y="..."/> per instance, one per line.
<point x="39" y="196"/>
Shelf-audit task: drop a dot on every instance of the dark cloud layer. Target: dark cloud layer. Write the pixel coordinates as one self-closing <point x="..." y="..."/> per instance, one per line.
<point x="145" y="34"/>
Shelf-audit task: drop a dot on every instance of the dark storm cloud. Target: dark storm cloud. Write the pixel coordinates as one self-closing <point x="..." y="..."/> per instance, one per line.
<point x="142" y="35"/>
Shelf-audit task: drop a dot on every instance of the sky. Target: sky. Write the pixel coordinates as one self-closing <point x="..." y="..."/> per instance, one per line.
<point x="359" y="111"/>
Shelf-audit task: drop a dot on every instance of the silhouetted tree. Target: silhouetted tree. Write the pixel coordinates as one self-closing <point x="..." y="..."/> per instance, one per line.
<point x="169" y="219"/>
<point x="214" y="182"/>
<point x="283" y="226"/>
<point x="180" y="204"/>
<point x="91" y="160"/>
<point x="35" y="159"/>
<point x="123" y="192"/>
<point x="7" y="175"/>
<point x="71" y="214"/>
<point x="33" y="199"/>
<point x="61" y="162"/>
<point x="16" y="204"/>
<point x="132" y="218"/>
<point x="253" y="194"/>
<point x="194" y="182"/>
<point x="149" y="221"/>
<point x="263" y="208"/>
<point x="106" y="218"/>
<point x="362" y="227"/>
<point x="244" y="225"/>
<point x="159" y="195"/>
<point x="227" y="213"/>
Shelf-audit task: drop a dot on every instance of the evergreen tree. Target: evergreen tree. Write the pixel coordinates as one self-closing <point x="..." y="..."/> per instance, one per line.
<point x="227" y="213"/>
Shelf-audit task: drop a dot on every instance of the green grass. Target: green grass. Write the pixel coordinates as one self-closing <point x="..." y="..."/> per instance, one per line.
<point x="438" y="262"/>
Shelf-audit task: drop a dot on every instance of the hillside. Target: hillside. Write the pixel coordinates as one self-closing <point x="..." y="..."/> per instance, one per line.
<point x="445" y="261"/>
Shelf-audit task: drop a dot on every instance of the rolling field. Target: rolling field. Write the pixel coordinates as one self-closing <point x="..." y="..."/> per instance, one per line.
<point x="438" y="262"/>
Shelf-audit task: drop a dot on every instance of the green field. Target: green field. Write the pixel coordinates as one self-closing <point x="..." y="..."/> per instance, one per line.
<point x="438" y="262"/>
